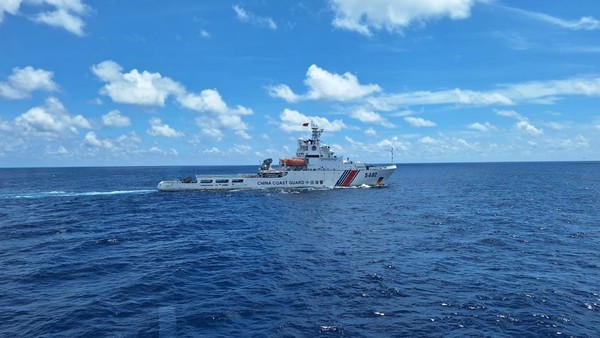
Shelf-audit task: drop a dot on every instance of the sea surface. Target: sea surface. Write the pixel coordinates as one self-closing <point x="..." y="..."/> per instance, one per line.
<point x="445" y="250"/>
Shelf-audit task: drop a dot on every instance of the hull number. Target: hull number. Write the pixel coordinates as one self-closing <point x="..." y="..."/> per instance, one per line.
<point x="370" y="175"/>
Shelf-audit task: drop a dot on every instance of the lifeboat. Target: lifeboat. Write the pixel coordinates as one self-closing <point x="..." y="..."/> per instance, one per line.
<point x="292" y="162"/>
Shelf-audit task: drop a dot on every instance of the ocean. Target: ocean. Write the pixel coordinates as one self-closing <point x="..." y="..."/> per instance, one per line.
<point x="445" y="250"/>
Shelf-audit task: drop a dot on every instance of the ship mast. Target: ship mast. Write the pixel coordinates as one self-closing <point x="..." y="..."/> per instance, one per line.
<point x="316" y="132"/>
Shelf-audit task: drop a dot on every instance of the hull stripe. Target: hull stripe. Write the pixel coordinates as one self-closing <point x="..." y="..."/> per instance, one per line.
<point x="342" y="178"/>
<point x="350" y="178"/>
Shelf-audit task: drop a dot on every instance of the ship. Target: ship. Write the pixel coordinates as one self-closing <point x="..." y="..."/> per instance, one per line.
<point x="314" y="166"/>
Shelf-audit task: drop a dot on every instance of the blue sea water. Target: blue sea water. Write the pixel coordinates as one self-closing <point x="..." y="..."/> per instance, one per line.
<point x="448" y="250"/>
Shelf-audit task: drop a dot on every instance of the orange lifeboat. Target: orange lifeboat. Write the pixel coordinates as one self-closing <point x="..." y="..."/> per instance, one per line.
<point x="292" y="162"/>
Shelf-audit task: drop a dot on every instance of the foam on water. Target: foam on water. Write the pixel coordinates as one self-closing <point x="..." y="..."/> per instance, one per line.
<point x="46" y="194"/>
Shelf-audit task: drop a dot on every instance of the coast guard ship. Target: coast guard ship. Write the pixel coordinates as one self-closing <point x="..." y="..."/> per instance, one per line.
<point x="314" y="166"/>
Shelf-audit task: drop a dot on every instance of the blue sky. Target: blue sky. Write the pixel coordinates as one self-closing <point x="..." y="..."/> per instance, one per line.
<point x="231" y="82"/>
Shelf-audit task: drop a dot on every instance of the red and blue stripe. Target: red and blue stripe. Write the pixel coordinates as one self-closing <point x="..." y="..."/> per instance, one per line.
<point x="346" y="178"/>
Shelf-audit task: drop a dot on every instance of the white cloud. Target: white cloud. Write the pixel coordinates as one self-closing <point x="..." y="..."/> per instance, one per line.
<point x="240" y="149"/>
<point x="370" y="132"/>
<point x="158" y="150"/>
<point x="72" y="22"/>
<point x="419" y="122"/>
<point x="371" y="117"/>
<point x="584" y="23"/>
<point x="57" y="151"/>
<point x="144" y="88"/>
<point x="157" y="128"/>
<point x="51" y="120"/>
<point x="547" y="91"/>
<point x="91" y="139"/>
<point x="208" y="100"/>
<point x="10" y="7"/>
<point x="213" y="150"/>
<point x="427" y="140"/>
<point x="292" y="120"/>
<point x="522" y="124"/>
<point x="324" y="85"/>
<point x="251" y="18"/>
<point x="330" y="86"/>
<point x="65" y="14"/>
<point x="510" y="113"/>
<point x="22" y="82"/>
<point x="541" y="92"/>
<point x="243" y="134"/>
<point x="284" y="92"/>
<point x="455" y="96"/>
<point x="483" y="127"/>
<point x="224" y="117"/>
<point x="5" y="126"/>
<point x="209" y="127"/>
<point x="115" y="119"/>
<point x="394" y="15"/>
<point x="204" y="34"/>
<point x="153" y="89"/>
<point x="528" y="128"/>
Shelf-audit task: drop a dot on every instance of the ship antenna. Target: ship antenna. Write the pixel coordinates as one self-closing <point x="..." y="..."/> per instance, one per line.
<point x="392" y="155"/>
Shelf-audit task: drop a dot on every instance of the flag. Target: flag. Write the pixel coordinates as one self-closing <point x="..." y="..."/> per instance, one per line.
<point x="305" y="124"/>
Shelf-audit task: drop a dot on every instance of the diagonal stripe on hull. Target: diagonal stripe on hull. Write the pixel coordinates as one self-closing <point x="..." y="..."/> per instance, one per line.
<point x="342" y="178"/>
<point x="350" y="178"/>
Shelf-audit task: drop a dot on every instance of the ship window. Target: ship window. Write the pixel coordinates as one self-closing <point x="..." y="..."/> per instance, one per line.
<point x="237" y="180"/>
<point x="205" y="181"/>
<point x="222" y="181"/>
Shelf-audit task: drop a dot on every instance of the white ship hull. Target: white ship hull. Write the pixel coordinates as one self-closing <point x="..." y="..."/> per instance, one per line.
<point x="314" y="166"/>
<point x="369" y="176"/>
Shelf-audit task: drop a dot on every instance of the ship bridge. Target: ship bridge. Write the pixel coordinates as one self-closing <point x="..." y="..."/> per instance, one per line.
<point x="318" y="155"/>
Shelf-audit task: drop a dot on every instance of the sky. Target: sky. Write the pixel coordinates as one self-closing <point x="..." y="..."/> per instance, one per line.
<point x="120" y="83"/>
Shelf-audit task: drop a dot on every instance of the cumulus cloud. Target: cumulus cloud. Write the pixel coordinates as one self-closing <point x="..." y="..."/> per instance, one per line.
<point x="246" y="16"/>
<point x="66" y="14"/>
<point x="157" y="128"/>
<point x="91" y="139"/>
<point x="50" y="120"/>
<point x="115" y="119"/>
<point x="22" y="82"/>
<point x="483" y="127"/>
<point x="324" y="85"/>
<point x="153" y="89"/>
<point x="284" y="92"/>
<point x="292" y="120"/>
<point x="223" y="116"/>
<point x="522" y="124"/>
<point x="369" y="116"/>
<point x="208" y="100"/>
<point x="419" y="122"/>
<point x="394" y="15"/>
<point x="145" y="88"/>
<point x="528" y="128"/>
